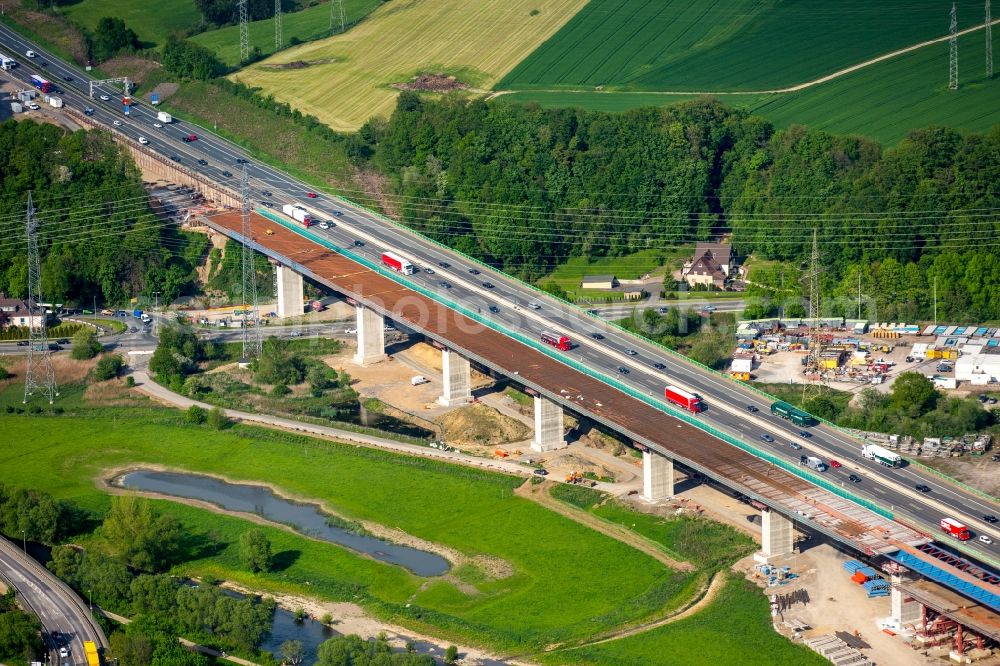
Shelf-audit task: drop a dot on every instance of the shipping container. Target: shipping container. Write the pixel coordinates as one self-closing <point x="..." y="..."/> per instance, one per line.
<point x="689" y="401"/>
<point x="41" y="83"/>
<point x="557" y="340"/>
<point x="398" y="263"/>
<point x="952" y="527"/>
<point x="881" y="456"/>
<point x="793" y="414"/>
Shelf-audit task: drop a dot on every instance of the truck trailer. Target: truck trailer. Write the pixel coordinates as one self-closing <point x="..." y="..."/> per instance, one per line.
<point x="881" y="456"/>
<point x="689" y="401"/>
<point x="90" y="650"/>
<point x="557" y="340"/>
<point x="398" y="263"/>
<point x="952" y="527"/>
<point x="793" y="414"/>
<point x="7" y="63"/>
<point x="40" y="83"/>
<point x="164" y="117"/>
<point x="299" y="214"/>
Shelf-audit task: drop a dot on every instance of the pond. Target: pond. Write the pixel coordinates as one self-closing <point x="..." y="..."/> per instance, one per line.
<point x="306" y="519"/>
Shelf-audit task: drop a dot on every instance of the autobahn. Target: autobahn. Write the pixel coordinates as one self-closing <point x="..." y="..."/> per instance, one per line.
<point x="512" y="300"/>
<point x="57" y="607"/>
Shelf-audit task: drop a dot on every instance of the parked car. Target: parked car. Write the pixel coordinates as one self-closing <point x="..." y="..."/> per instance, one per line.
<point x="541" y="472"/>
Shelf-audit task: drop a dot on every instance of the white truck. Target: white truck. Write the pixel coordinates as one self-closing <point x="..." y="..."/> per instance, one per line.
<point x="299" y="214"/>
<point x="881" y="455"/>
<point x="814" y="463"/>
<point x="6" y="63"/>
<point x="418" y="380"/>
<point x="164" y="117"/>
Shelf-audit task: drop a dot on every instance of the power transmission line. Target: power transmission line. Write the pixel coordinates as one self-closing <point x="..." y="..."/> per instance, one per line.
<point x="39" y="375"/>
<point x="815" y="312"/>
<point x="244" y="31"/>
<point x="334" y="6"/>
<point x="277" y="25"/>
<point x="251" y="310"/>
<point x="953" y="50"/>
<point x="989" y="42"/>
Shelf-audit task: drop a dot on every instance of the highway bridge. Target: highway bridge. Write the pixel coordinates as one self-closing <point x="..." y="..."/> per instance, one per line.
<point x="479" y="314"/>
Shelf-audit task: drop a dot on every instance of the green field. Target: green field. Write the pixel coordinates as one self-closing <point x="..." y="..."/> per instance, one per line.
<point x="884" y="101"/>
<point x="629" y="267"/>
<point x="471" y="511"/>
<point x="152" y="22"/>
<point x="305" y="25"/>
<point x="725" y="45"/>
<point x="349" y="77"/>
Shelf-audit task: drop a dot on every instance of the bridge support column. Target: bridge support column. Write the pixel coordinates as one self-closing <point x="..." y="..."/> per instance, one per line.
<point x="657" y="477"/>
<point x="290" y="293"/>
<point x="456" y="374"/>
<point x="776" y="535"/>
<point x="548" y="426"/>
<point x="371" y="336"/>
<point x="903" y="609"/>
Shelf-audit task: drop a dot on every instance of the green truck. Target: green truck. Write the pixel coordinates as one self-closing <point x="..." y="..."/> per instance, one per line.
<point x="793" y="414"/>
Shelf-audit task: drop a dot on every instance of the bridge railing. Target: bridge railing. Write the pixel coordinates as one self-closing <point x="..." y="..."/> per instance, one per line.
<point x="660" y="405"/>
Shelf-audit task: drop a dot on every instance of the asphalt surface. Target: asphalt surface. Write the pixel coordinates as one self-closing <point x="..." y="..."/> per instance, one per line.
<point x="450" y="276"/>
<point x="57" y="607"/>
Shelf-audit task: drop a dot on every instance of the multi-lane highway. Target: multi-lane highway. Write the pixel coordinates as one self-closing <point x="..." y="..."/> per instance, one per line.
<point x="522" y="309"/>
<point x="57" y="607"/>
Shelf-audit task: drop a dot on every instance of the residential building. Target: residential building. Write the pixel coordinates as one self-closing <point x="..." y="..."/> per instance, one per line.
<point x="711" y="265"/>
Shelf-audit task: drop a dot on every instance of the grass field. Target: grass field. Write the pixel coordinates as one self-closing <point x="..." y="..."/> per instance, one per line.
<point x="884" y="101"/>
<point x="153" y="22"/>
<point x="734" y="629"/>
<point x="351" y="75"/>
<point x="469" y="510"/>
<point x="629" y="267"/>
<point x="722" y="45"/>
<point x="305" y="25"/>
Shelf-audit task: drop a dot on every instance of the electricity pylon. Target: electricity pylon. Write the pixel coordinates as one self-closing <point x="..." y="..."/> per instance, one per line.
<point x="39" y="375"/>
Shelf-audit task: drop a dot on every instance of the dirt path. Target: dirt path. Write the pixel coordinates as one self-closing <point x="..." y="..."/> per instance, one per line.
<point x="540" y="493"/>
<point x="801" y="86"/>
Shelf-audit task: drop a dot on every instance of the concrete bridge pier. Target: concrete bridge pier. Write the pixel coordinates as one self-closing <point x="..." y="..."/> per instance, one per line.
<point x="290" y="293"/>
<point x="903" y="609"/>
<point x="548" y="426"/>
<point x="456" y="374"/>
<point x="371" y="336"/>
<point x="777" y="535"/>
<point x="657" y="477"/>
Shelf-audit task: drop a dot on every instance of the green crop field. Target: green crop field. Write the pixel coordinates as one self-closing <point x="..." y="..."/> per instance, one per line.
<point x="723" y="45"/>
<point x="883" y="101"/>
<point x="305" y="25"/>
<point x="469" y="510"/>
<point x="153" y="22"/>
<point x="348" y="78"/>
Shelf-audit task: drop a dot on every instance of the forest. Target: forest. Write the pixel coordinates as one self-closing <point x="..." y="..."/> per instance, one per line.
<point x="98" y="237"/>
<point x="525" y="188"/>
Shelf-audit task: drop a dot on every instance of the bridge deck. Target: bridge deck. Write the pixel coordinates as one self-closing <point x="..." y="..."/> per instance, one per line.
<point x="821" y="509"/>
<point x="943" y="566"/>
<point x="955" y="606"/>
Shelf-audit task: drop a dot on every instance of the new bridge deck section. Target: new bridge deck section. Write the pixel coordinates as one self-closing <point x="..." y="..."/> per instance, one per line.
<point x="821" y="509"/>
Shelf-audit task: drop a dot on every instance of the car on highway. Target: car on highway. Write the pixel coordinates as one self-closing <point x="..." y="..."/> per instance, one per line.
<point x="444" y="264"/>
<point x="597" y="336"/>
<point x="795" y="445"/>
<point x="488" y="285"/>
<point x="494" y="309"/>
<point x="30" y="54"/>
<point x="157" y="125"/>
<point x="475" y="271"/>
<point x="175" y="158"/>
<point x="105" y="98"/>
<point x="22" y="343"/>
<point x="631" y="352"/>
<point x="241" y="160"/>
<point x="324" y="225"/>
<point x="331" y="223"/>
<point x="661" y="310"/>
<point x="534" y="306"/>
<point x="227" y="174"/>
<point x="990" y="518"/>
<point x="190" y="138"/>
<point x="922" y="487"/>
<point x="133" y="330"/>
<point x="985" y="539"/>
<point x="709" y="308"/>
<point x="445" y="284"/>
<point x="267" y="193"/>
<point x="767" y="438"/>
<point x="64" y="652"/>
<point x="117" y="123"/>
<point x="429" y="271"/>
<point x="203" y="162"/>
<point x="359" y="243"/>
<point x="835" y="464"/>
<point x="34" y="107"/>
<point x="54" y="347"/>
<point x="43" y="64"/>
<point x="67" y="78"/>
<point x="541" y="472"/>
<point x="338" y="213"/>
<point x="805" y="433"/>
<point x="752" y="409"/>
<point x="854" y="478"/>
<point x="88" y="110"/>
<point x="63" y="341"/>
<point x="311" y="195"/>
<point x="143" y="140"/>
<point x="659" y="366"/>
<point x="622" y="369"/>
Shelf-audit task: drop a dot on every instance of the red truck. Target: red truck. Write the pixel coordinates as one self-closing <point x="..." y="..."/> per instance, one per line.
<point x="398" y="263"/>
<point x="956" y="529"/>
<point x="689" y="401"/>
<point x="557" y="340"/>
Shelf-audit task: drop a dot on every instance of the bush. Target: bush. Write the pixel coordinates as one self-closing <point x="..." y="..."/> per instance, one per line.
<point x="280" y="390"/>
<point x="217" y="418"/>
<point x="196" y="415"/>
<point x="108" y="367"/>
<point x="130" y="382"/>
<point x="255" y="551"/>
<point x="85" y="344"/>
